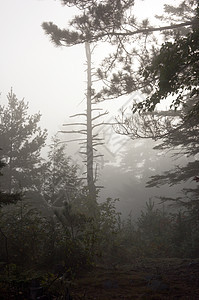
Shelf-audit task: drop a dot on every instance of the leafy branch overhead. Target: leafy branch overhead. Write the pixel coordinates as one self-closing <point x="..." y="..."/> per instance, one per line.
<point x="103" y="22"/>
<point x="98" y="21"/>
<point x="175" y="71"/>
<point x="143" y="67"/>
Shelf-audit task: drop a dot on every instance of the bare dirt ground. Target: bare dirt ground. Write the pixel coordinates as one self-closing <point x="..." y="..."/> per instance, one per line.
<point x="143" y="279"/>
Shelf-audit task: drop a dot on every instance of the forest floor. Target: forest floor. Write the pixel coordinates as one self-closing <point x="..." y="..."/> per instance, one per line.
<point x="143" y="279"/>
<point x="169" y="278"/>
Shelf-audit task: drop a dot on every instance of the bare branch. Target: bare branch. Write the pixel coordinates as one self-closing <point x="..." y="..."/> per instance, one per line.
<point x="145" y="31"/>
<point x="98" y="144"/>
<point x="69" y="124"/>
<point x="95" y="135"/>
<point x="83" y="142"/>
<point x="103" y="123"/>
<point x="98" y="139"/>
<point x="98" y="155"/>
<point x="97" y="109"/>
<point x="100" y="115"/>
<point x="68" y="141"/>
<point x="73" y="131"/>
<point x="76" y="115"/>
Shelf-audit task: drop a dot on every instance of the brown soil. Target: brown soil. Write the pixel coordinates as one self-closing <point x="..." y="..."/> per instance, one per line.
<point x="143" y="279"/>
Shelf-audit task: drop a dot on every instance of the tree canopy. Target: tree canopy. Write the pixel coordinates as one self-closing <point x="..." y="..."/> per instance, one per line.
<point x="175" y="71"/>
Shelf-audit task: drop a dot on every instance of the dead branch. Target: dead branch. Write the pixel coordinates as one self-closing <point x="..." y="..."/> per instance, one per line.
<point x="76" y="115"/>
<point x="69" y="124"/>
<point x="73" y="131"/>
<point x="100" y="115"/>
<point x="99" y="155"/>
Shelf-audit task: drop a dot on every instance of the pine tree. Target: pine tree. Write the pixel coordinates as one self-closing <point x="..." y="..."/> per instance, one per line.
<point x="21" y="140"/>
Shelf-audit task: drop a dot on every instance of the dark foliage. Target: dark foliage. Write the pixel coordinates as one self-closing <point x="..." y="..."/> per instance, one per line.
<point x="21" y="140"/>
<point x="97" y="21"/>
<point x="174" y="71"/>
<point x="6" y="198"/>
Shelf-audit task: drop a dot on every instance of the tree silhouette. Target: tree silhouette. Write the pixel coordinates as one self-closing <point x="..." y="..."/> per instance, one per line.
<point x="21" y="140"/>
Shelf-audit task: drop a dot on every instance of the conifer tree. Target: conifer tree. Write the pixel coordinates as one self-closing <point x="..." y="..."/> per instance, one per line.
<point x="61" y="183"/>
<point x="21" y="140"/>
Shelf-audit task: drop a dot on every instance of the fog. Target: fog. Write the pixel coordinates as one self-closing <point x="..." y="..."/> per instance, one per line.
<point x="52" y="80"/>
<point x="107" y="222"/>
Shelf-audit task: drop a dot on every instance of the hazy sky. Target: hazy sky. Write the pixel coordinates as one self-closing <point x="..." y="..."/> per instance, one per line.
<point x="51" y="79"/>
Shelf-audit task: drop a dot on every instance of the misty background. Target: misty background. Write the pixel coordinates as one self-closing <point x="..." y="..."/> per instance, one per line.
<point x="53" y="80"/>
